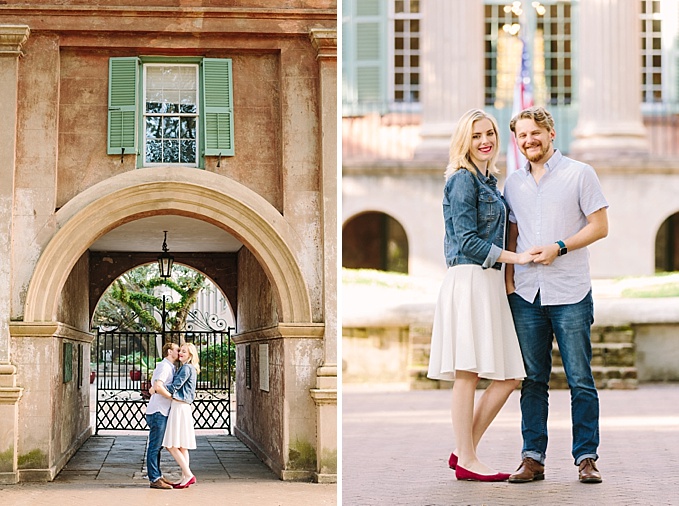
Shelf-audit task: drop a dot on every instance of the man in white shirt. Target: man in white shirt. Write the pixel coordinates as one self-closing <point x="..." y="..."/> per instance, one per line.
<point x="557" y="210"/>
<point x="157" y="413"/>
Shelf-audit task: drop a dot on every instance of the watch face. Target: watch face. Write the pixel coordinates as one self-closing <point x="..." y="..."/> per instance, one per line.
<point x="563" y="251"/>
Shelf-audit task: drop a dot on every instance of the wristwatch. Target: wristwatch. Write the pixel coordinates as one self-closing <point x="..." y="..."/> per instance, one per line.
<point x="562" y="248"/>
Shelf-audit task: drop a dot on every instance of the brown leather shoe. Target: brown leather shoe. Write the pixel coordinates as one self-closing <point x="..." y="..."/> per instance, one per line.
<point x="529" y="470"/>
<point x="588" y="473"/>
<point x="160" y="484"/>
<point x="165" y="480"/>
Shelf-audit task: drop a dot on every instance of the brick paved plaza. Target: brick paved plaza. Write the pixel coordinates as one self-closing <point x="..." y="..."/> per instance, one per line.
<point x="396" y="445"/>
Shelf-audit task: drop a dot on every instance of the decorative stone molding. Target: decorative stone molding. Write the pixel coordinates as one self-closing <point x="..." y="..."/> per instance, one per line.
<point x="199" y="194"/>
<point x="49" y="330"/>
<point x="12" y="39"/>
<point x="324" y="41"/>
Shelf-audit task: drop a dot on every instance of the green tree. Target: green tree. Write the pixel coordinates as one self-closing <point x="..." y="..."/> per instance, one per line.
<point x="131" y="305"/>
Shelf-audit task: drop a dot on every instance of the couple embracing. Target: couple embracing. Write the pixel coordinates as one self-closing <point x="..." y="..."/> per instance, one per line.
<point x="500" y="325"/>
<point x="169" y="416"/>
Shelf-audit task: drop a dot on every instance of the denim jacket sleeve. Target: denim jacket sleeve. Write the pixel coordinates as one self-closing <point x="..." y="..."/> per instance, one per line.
<point x="462" y="196"/>
<point x="181" y="385"/>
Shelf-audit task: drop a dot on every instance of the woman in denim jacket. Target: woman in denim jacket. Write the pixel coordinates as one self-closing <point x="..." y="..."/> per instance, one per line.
<point x="180" y="436"/>
<point x="473" y="335"/>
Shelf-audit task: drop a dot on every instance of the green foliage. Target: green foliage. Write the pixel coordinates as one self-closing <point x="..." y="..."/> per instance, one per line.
<point x="215" y="360"/>
<point x="668" y="290"/>
<point x="130" y="303"/>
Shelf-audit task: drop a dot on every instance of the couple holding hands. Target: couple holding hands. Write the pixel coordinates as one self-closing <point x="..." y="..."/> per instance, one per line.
<point x="497" y="323"/>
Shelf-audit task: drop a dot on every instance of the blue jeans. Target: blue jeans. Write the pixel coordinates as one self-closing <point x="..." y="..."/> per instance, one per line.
<point x="570" y="324"/>
<point x="157" y="423"/>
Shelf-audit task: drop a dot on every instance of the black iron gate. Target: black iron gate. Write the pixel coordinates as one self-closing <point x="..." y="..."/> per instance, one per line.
<point x="124" y="365"/>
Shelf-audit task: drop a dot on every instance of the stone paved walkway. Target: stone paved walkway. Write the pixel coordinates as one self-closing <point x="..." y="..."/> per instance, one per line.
<point x="111" y="470"/>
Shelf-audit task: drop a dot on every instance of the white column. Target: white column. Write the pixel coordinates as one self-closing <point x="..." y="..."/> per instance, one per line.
<point x="452" y="70"/>
<point x="609" y="121"/>
<point x="12" y="39"/>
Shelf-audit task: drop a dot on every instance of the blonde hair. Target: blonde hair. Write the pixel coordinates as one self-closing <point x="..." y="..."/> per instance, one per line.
<point x="194" y="360"/>
<point x="461" y="143"/>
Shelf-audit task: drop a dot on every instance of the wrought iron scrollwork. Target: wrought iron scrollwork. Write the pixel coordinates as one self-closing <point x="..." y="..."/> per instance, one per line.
<point x="199" y="320"/>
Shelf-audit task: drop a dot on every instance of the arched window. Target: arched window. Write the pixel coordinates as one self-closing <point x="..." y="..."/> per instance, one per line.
<point x="667" y="245"/>
<point x="374" y="240"/>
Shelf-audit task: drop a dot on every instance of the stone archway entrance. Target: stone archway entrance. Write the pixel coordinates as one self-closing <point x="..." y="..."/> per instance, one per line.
<point x="53" y="334"/>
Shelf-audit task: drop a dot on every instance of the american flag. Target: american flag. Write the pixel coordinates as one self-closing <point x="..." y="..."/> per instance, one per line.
<point x="523" y="98"/>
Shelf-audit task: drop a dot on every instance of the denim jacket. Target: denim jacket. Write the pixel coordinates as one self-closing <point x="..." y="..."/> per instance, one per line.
<point x="183" y="387"/>
<point x="475" y="216"/>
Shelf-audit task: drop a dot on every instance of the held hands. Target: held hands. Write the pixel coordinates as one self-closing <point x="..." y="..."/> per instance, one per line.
<point x="544" y="255"/>
<point x="526" y="257"/>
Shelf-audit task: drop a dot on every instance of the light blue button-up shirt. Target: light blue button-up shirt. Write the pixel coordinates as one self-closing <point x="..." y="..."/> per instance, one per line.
<point x="553" y="210"/>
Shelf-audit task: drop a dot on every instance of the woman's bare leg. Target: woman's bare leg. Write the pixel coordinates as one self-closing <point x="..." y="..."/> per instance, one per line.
<point x="493" y="398"/>
<point x="464" y="391"/>
<point x="183" y="464"/>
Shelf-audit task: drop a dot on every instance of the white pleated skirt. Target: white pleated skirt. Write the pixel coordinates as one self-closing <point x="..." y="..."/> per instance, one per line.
<point x="179" y="431"/>
<point x="473" y="327"/>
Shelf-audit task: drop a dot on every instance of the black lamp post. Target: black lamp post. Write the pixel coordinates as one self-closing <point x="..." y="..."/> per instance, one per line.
<point x="165" y="260"/>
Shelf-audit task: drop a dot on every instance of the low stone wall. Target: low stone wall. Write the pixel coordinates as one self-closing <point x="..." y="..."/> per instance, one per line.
<point x="633" y="340"/>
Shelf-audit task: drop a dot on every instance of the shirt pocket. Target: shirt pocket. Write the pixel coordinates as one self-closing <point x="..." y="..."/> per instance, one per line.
<point x="488" y="208"/>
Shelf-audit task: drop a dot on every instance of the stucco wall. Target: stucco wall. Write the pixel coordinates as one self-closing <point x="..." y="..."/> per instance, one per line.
<point x="83" y="104"/>
<point x="641" y="195"/>
<point x="412" y="195"/>
<point x="74" y="304"/>
<point x="256" y="305"/>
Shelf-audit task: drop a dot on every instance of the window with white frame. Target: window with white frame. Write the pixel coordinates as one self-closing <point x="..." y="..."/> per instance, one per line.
<point x="170" y="111"/>
<point x="552" y="51"/>
<point x="170" y="114"/>
<point x="651" y="52"/>
<point x="381" y="55"/>
<point x="659" y="57"/>
<point x="404" y="27"/>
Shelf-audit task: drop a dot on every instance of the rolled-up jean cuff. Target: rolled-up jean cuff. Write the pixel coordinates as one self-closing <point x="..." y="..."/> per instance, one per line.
<point x="592" y="456"/>
<point x="535" y="456"/>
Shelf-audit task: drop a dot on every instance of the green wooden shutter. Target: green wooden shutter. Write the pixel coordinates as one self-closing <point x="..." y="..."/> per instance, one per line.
<point x="218" y="110"/>
<point x="364" y="57"/>
<point x="123" y="75"/>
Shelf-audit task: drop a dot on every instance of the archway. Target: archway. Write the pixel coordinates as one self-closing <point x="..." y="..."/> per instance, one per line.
<point x="272" y="260"/>
<point x="667" y="245"/>
<point x="201" y="195"/>
<point x="374" y="240"/>
<point x="138" y="313"/>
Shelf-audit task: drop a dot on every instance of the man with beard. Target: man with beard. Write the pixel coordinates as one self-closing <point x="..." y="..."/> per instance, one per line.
<point x="156" y="416"/>
<point x="557" y="209"/>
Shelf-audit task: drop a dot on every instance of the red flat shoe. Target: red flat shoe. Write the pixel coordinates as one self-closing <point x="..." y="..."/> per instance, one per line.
<point x="462" y="474"/>
<point x="452" y="461"/>
<point x="187" y="484"/>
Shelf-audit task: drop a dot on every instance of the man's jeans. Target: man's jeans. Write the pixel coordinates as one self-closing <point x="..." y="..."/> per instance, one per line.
<point x="157" y="423"/>
<point x="571" y="325"/>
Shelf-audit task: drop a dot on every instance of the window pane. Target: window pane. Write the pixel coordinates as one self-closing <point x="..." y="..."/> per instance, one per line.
<point x="171" y="128"/>
<point x="188" y="154"/>
<point x="154" y="152"/>
<point x="171" y="151"/>
<point x="153" y="127"/>
<point x="188" y="128"/>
